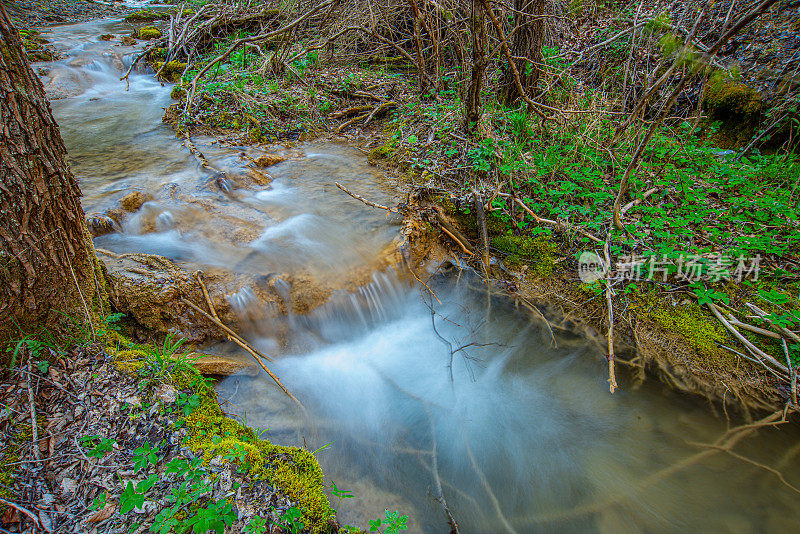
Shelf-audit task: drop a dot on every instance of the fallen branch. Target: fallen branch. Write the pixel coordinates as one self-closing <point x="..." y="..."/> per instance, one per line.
<point x="550" y="221"/>
<point x="33" y="517"/>
<point x="152" y="46"/>
<point x="612" y="378"/>
<point x="232" y="336"/>
<point x="342" y="127"/>
<point x="480" y="217"/>
<point x="756" y="330"/>
<point x="785" y="331"/>
<point x="746" y="342"/>
<point x="380" y="109"/>
<point x="253" y="352"/>
<point x="364" y="200"/>
<point x="341" y="114"/>
<point x="437" y="478"/>
<point x="454" y="234"/>
<point x="725" y="443"/>
<point x="488" y="488"/>
<point x="637" y="201"/>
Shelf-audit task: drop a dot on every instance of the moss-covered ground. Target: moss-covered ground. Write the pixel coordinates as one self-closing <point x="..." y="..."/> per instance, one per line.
<point x="294" y="471"/>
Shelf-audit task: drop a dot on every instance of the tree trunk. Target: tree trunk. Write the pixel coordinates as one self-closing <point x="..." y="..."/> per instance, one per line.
<point x="47" y="262"/>
<point x="421" y="69"/>
<point x="474" y="107"/>
<point x="526" y="42"/>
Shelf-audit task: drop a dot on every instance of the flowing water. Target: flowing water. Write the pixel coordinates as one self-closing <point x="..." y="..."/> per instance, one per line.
<point x="416" y="396"/>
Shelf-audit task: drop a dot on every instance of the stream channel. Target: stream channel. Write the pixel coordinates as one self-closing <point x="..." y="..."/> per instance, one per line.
<point x="519" y="433"/>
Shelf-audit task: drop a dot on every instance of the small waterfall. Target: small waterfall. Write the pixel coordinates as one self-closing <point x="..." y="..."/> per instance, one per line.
<point x="348" y="314"/>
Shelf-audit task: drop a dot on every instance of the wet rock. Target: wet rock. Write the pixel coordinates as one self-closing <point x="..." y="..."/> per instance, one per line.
<point x="147" y="507"/>
<point x="100" y="224"/>
<point x="133" y="201"/>
<point x="164" y="221"/>
<point x="106" y="37"/>
<point x="64" y="84"/>
<point x="268" y="160"/>
<point x="166" y="393"/>
<point x="224" y="366"/>
<point x="127" y="40"/>
<point x="68" y="486"/>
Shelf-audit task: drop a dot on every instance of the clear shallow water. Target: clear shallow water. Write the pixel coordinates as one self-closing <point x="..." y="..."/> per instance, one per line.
<point x="524" y="435"/>
<point x="118" y="145"/>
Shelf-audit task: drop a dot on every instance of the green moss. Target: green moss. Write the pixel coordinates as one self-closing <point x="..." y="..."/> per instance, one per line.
<point x="149" y="32"/>
<point x="689" y="320"/>
<point x="537" y="251"/>
<point x="379" y="153"/>
<point x="294" y="471"/>
<point x="734" y="104"/>
<point x="177" y="93"/>
<point x="447" y="205"/>
<point x="157" y="53"/>
<point x="725" y="97"/>
<point x="128" y="360"/>
<point x="146" y="15"/>
<point x="172" y="70"/>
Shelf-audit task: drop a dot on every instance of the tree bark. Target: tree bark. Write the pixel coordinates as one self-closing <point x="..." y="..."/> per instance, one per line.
<point x="422" y="70"/>
<point x="47" y="259"/>
<point x="474" y="107"/>
<point x="526" y="44"/>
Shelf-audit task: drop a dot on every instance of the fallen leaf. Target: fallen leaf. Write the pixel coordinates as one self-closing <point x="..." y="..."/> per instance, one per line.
<point x="11" y="516"/>
<point x="102" y="515"/>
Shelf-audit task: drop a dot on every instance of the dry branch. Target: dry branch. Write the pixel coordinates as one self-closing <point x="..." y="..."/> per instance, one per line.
<point x="362" y="199"/>
<point x="253" y="352"/>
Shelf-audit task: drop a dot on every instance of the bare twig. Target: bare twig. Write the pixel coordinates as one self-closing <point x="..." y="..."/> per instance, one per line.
<point x="364" y="200"/>
<point x="32" y="405"/>
<point x="253" y="352"/>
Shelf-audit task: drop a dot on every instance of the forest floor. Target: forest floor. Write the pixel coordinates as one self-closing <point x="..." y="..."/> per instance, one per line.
<point x="117" y="437"/>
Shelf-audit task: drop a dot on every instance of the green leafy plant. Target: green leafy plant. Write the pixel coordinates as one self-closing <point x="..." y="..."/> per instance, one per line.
<point x="188" y="403"/>
<point x="256" y="525"/>
<point x="392" y="523"/>
<point x="99" y="502"/>
<point x="215" y="516"/>
<point x="708" y="296"/>
<point x="145" y="456"/>
<point x="99" y="445"/>
<point x="292" y="520"/>
<point x="130" y="498"/>
<point x="341" y="494"/>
